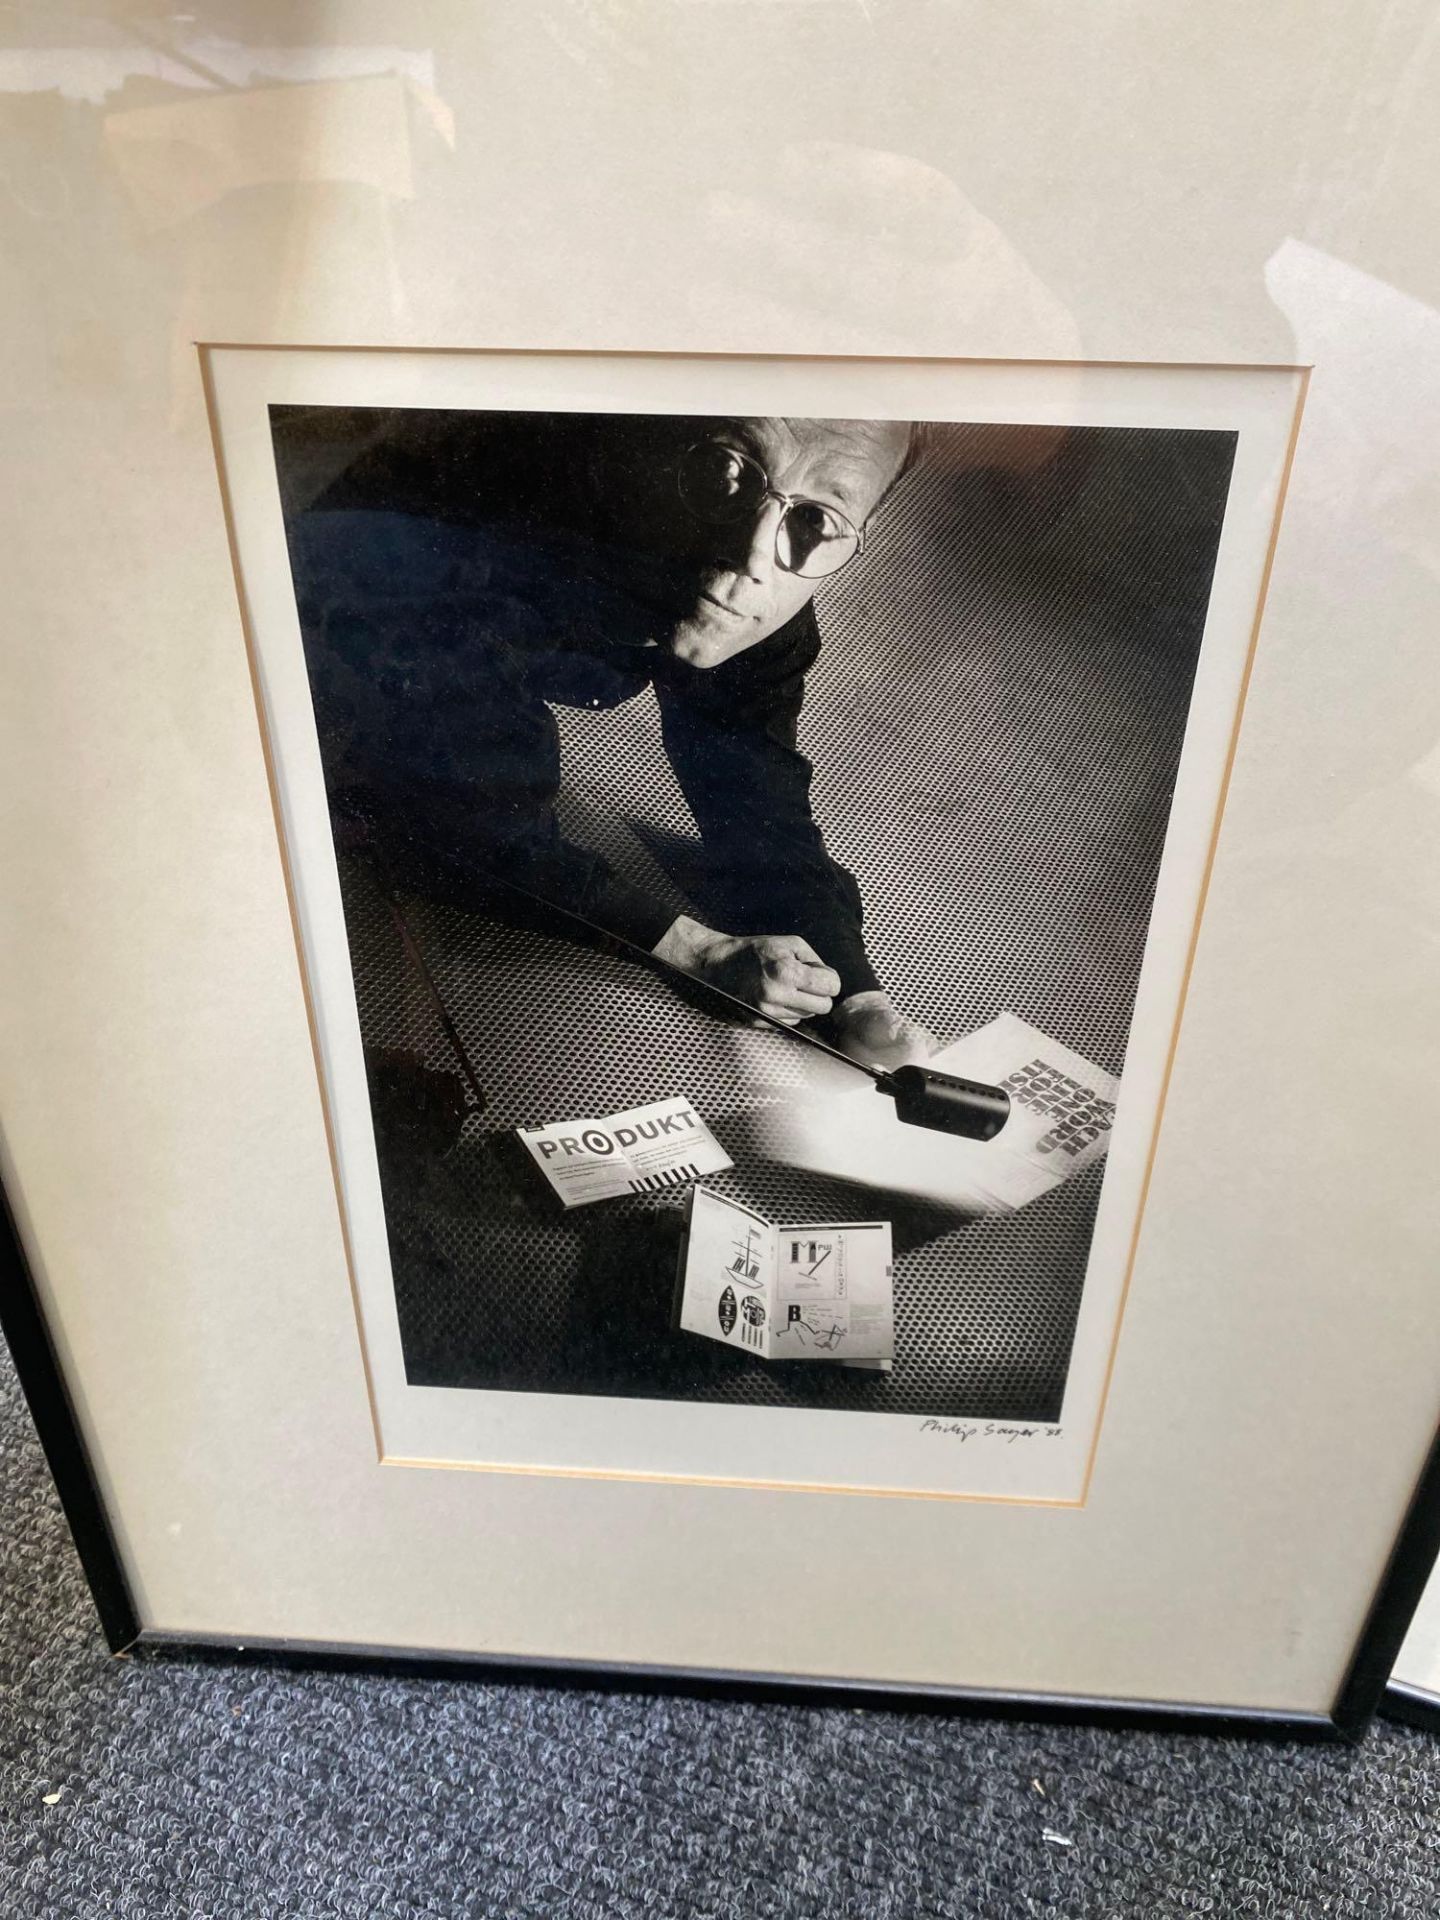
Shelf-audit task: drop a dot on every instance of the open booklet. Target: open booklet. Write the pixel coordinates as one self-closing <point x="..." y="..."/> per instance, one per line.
<point x="1061" y="1110"/>
<point x="807" y="1292"/>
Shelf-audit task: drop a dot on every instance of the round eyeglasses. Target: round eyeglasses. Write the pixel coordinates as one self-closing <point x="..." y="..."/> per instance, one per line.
<point x="722" y="486"/>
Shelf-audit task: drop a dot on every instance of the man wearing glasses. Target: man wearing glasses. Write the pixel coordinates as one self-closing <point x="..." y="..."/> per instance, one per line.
<point x="747" y="518"/>
<point x="680" y="553"/>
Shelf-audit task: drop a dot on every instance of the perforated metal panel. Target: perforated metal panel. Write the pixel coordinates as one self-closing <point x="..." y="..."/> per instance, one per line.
<point x="995" y="722"/>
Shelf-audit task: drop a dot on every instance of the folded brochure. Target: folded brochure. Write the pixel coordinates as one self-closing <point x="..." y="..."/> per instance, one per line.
<point x="813" y="1291"/>
<point x="642" y="1150"/>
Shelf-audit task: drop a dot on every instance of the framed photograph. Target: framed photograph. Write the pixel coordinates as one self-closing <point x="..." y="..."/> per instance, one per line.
<point x="725" y="840"/>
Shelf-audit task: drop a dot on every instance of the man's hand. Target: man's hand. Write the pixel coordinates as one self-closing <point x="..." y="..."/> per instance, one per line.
<point x="779" y="973"/>
<point x="868" y="1027"/>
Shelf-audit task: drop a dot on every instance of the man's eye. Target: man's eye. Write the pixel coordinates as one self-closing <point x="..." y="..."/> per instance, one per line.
<point x="816" y="522"/>
<point x="727" y="469"/>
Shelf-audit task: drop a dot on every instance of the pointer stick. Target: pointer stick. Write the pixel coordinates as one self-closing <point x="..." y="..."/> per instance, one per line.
<point x="923" y="1096"/>
<point x="442" y="1012"/>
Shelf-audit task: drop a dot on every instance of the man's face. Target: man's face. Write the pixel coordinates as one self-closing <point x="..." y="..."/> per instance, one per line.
<point x="721" y="588"/>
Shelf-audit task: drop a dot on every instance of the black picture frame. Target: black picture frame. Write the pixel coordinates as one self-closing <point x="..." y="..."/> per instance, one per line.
<point x="1365" y="1690"/>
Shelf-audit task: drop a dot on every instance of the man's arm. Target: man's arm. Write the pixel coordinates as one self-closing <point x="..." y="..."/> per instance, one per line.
<point x="731" y="733"/>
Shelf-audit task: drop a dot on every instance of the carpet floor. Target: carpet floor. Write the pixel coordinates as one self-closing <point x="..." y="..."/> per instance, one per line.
<point x="158" y="1787"/>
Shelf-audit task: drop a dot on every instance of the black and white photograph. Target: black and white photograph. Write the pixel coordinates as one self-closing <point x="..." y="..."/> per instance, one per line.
<point x="747" y="830"/>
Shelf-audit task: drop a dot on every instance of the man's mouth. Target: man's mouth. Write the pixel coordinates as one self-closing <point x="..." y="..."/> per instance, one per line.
<point x="734" y="613"/>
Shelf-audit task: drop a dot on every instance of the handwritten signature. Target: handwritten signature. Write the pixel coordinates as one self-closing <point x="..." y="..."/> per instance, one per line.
<point x="987" y="1430"/>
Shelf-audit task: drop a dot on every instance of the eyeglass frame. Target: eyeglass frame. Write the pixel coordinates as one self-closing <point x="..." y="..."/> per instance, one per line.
<point x="786" y="500"/>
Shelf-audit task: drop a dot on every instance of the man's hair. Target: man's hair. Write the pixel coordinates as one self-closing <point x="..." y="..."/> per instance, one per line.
<point x="922" y="433"/>
<point x="917" y="445"/>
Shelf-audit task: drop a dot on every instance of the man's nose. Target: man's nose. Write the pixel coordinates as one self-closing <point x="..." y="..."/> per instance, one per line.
<point x="754" y="555"/>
